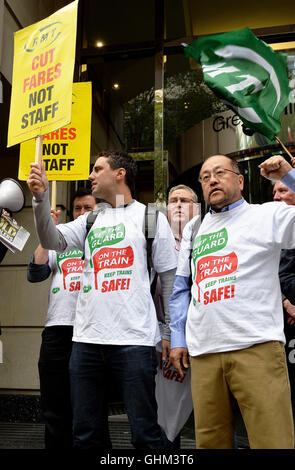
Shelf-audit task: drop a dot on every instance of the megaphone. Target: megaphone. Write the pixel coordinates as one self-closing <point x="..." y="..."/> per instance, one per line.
<point x="12" y="197"/>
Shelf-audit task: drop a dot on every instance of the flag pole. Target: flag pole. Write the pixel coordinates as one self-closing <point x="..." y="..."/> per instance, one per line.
<point x="286" y="150"/>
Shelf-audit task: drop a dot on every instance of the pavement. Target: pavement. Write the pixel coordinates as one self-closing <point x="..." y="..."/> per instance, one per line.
<point x="31" y="435"/>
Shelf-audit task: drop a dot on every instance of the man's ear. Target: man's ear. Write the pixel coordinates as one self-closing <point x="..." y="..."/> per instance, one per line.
<point x="121" y="173"/>
<point x="241" y="181"/>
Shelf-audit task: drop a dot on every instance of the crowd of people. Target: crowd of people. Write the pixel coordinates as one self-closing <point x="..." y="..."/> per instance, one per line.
<point x="214" y="284"/>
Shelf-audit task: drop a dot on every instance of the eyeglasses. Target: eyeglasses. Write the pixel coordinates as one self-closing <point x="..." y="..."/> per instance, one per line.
<point x="182" y="200"/>
<point x="218" y="174"/>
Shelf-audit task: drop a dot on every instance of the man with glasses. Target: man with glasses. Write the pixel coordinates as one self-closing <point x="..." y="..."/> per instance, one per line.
<point x="234" y="321"/>
<point x="182" y="207"/>
<point x="172" y="392"/>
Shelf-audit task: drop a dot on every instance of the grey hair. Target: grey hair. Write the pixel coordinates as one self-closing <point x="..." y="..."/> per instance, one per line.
<point x="183" y="186"/>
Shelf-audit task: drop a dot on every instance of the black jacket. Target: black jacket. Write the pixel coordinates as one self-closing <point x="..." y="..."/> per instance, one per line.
<point x="3" y="250"/>
<point x="287" y="274"/>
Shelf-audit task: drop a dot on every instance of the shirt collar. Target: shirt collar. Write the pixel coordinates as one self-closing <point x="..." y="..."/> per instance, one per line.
<point x="229" y="207"/>
<point x="125" y="205"/>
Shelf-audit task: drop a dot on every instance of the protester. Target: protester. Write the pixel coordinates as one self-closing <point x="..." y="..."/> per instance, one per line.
<point x="57" y="335"/>
<point x="172" y="392"/>
<point x="287" y="279"/>
<point x="234" y="328"/>
<point x="115" y="328"/>
<point x="182" y="207"/>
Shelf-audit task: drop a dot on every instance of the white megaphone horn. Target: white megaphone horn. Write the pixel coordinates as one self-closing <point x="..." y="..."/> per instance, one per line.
<point x="12" y="197"/>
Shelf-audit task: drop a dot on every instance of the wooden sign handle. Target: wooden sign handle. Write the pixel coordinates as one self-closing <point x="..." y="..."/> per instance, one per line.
<point x="38" y="152"/>
<point x="53" y="195"/>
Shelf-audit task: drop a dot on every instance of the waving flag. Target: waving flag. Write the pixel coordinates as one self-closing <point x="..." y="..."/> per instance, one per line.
<point x="247" y="75"/>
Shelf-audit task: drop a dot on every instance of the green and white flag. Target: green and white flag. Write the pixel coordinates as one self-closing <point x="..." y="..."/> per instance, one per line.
<point x="247" y="75"/>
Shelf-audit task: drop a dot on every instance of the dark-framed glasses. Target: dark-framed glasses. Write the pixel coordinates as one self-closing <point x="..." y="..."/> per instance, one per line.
<point x="219" y="174"/>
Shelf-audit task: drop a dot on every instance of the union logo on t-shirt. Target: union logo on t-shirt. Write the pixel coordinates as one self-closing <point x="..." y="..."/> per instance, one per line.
<point x="105" y="236"/>
<point x="70" y="263"/>
<point x="112" y="258"/>
<point x="213" y="266"/>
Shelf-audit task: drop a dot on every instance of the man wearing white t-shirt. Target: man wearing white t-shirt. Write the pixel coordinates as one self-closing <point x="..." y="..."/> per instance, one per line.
<point x="233" y="325"/>
<point x="56" y="346"/>
<point x="115" y="328"/>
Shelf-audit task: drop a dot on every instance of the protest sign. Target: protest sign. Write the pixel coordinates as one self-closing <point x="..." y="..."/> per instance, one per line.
<point x="66" y="151"/>
<point x="43" y="66"/>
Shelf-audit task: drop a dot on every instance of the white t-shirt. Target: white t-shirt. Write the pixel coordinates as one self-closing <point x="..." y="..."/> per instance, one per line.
<point x="66" y="271"/>
<point x="236" y="296"/>
<point x="115" y="305"/>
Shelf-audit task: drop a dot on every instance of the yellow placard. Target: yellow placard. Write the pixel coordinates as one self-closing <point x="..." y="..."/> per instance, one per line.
<point x="43" y="67"/>
<point x="66" y="151"/>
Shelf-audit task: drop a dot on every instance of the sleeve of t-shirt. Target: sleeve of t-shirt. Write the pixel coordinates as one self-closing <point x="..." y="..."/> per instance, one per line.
<point x="52" y="260"/>
<point x="74" y="232"/>
<point x="284" y="225"/>
<point x="163" y="248"/>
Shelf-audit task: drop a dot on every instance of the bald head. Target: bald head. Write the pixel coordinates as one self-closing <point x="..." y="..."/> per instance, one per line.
<point x="233" y="163"/>
<point x="222" y="183"/>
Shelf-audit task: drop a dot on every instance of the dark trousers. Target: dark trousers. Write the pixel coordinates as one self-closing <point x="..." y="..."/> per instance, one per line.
<point x="132" y="369"/>
<point x="55" y="352"/>
<point x="289" y="331"/>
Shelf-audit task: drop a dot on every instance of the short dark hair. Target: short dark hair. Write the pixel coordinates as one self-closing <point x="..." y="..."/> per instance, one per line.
<point x="234" y="164"/>
<point x="81" y="192"/>
<point x="118" y="159"/>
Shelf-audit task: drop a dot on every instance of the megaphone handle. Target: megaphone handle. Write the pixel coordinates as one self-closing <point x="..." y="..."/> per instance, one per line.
<point x="38" y="152"/>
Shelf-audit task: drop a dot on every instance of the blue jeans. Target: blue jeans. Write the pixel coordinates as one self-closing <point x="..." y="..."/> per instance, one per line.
<point x="133" y="369"/>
